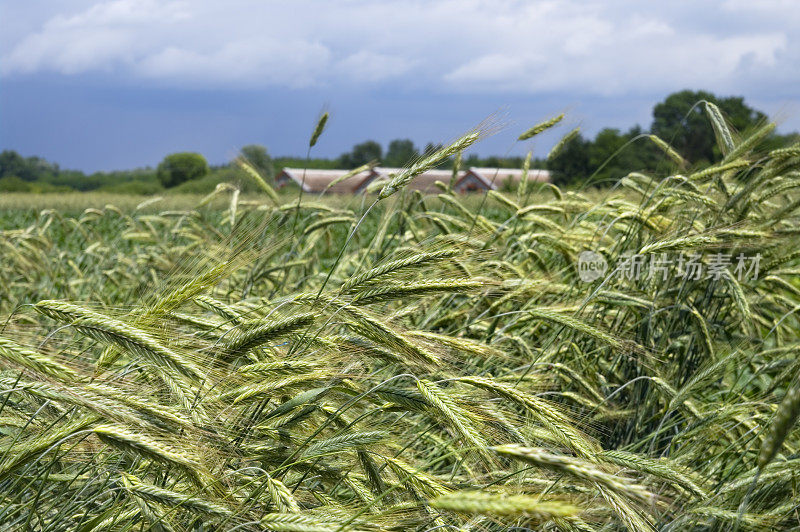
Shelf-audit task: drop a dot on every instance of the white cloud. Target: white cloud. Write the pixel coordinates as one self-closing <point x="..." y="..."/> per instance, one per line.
<point x="491" y="68"/>
<point x="598" y="47"/>
<point x="625" y="65"/>
<point x="369" y="66"/>
<point x="247" y="62"/>
<point x="102" y="37"/>
<point x="777" y="7"/>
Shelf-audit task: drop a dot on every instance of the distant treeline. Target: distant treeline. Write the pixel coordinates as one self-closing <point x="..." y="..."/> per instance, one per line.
<point x="679" y="121"/>
<point x="34" y="174"/>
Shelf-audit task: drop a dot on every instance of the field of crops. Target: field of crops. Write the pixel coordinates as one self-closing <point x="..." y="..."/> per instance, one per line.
<point x="408" y="362"/>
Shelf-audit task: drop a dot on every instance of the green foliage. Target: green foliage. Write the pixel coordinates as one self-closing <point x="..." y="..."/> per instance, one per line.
<point x="209" y="182"/>
<point x="401" y="152"/>
<point x="12" y="183"/>
<point x="680" y="120"/>
<point x="27" y="169"/>
<point x="613" y="154"/>
<point x="361" y="154"/>
<point x="508" y="185"/>
<point x="208" y="365"/>
<point x="218" y="175"/>
<point x="572" y="163"/>
<point x="683" y="124"/>
<point x="44" y="177"/>
<point x="259" y="159"/>
<point x="302" y="162"/>
<point x="179" y="168"/>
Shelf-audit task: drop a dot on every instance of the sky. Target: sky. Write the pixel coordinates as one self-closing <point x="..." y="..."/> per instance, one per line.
<point x="101" y="85"/>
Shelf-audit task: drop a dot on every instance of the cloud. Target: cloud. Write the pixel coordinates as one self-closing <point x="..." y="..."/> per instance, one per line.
<point x="775" y="7"/>
<point x="172" y="42"/>
<point x="244" y="62"/>
<point x="102" y="37"/>
<point x="367" y="66"/>
<point x="593" y="47"/>
<point x="590" y="50"/>
<point x="624" y="66"/>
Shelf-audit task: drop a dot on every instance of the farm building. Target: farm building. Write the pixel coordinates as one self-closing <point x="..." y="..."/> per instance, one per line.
<point x="473" y="179"/>
<point x="425" y="182"/>
<point x="319" y="181"/>
<point x="496" y="178"/>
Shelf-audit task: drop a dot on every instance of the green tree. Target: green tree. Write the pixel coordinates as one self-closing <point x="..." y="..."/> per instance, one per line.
<point x="27" y="169"/>
<point x="178" y="168"/>
<point x="571" y="164"/>
<point x="259" y="158"/>
<point x="361" y="154"/>
<point x="13" y="164"/>
<point x="431" y="148"/>
<point x="690" y="132"/>
<point x="401" y="152"/>
<point x="614" y="154"/>
<point x="492" y="161"/>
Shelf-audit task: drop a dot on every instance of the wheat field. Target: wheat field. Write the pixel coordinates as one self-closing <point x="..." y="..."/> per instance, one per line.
<point x="409" y="362"/>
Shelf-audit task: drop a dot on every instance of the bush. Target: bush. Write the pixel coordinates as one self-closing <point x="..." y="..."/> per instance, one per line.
<point x="258" y="157"/>
<point x="134" y="187"/>
<point x="12" y="183"/>
<point x="179" y="168"/>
